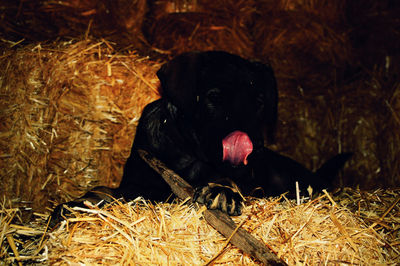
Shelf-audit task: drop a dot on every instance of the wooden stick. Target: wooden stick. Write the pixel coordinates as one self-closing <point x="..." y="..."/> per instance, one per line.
<point x="217" y="219"/>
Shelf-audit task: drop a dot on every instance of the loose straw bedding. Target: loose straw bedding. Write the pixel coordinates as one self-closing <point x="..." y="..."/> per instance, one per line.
<point x="138" y="232"/>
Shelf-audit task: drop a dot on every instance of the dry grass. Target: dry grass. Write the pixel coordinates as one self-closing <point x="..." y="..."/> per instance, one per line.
<point x="322" y="231"/>
<point x="200" y="25"/>
<point x="69" y="112"/>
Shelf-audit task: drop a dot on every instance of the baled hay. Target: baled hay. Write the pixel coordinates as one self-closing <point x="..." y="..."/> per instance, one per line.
<point x="307" y="49"/>
<point x="314" y="125"/>
<point x="370" y="125"/>
<point x="331" y="11"/>
<point x="42" y="20"/>
<point x="69" y="112"/>
<point x="327" y="104"/>
<point x="303" y="45"/>
<point x="317" y="232"/>
<point x="202" y="25"/>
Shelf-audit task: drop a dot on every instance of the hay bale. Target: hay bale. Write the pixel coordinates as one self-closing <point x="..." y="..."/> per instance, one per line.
<point x="172" y="27"/>
<point x="329" y="101"/>
<point x="373" y="27"/>
<point x="305" y="44"/>
<point x="300" y="39"/>
<point x="372" y="132"/>
<point x="115" y="20"/>
<point x="359" y="117"/>
<point x="69" y="112"/>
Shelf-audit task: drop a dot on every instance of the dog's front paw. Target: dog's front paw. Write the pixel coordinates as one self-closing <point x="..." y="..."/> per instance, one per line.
<point x="226" y="198"/>
<point x="98" y="196"/>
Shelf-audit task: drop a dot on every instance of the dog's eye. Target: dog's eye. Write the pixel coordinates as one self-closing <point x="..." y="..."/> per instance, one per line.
<point x="260" y="102"/>
<point x="214" y="95"/>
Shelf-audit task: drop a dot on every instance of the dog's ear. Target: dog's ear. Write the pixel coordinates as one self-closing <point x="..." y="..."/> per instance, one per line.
<point x="179" y="82"/>
<point x="267" y="83"/>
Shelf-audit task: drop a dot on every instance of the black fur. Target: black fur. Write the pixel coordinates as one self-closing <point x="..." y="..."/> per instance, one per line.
<point x="206" y="96"/>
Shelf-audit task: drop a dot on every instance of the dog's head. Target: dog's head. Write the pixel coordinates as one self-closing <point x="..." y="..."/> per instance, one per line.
<point x="225" y="98"/>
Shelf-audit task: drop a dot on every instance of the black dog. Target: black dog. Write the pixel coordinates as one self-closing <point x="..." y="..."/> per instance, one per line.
<point x="209" y="127"/>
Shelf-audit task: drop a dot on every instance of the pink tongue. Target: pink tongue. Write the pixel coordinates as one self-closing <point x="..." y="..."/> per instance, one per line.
<point x="236" y="147"/>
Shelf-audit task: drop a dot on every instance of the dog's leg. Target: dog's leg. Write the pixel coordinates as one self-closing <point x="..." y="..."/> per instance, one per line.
<point x="97" y="196"/>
